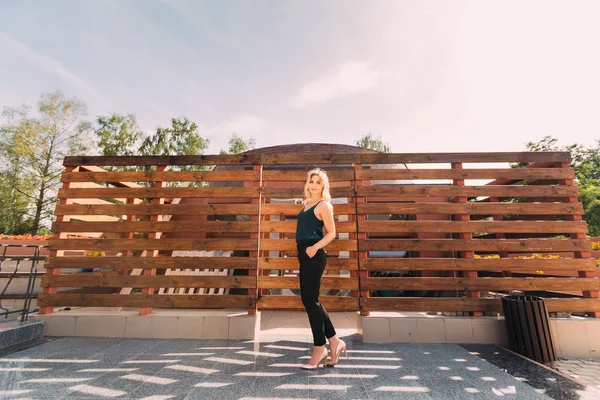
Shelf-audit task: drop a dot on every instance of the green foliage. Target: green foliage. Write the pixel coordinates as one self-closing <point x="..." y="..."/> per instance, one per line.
<point x="181" y="138"/>
<point x="586" y="164"/>
<point x="35" y="147"/>
<point x="368" y="141"/>
<point x="118" y="135"/>
<point x="238" y="145"/>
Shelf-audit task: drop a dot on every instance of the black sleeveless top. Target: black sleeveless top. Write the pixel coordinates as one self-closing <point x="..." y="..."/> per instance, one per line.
<point x="309" y="229"/>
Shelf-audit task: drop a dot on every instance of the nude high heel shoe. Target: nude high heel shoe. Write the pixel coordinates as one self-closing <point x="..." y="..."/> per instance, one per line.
<point x="311" y="367"/>
<point x="335" y="358"/>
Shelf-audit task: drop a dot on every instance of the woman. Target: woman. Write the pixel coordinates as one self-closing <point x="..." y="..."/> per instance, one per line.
<point x="316" y="213"/>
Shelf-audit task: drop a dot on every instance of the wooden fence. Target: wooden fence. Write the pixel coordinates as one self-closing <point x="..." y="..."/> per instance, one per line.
<point x="416" y="232"/>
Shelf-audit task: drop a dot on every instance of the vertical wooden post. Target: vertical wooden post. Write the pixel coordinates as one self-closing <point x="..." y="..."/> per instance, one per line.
<point x="500" y="217"/>
<point x="128" y="235"/>
<point x="253" y="292"/>
<point x="358" y="236"/>
<point x="466" y="254"/>
<point x="56" y="253"/>
<point x="153" y="235"/>
<point x="593" y="294"/>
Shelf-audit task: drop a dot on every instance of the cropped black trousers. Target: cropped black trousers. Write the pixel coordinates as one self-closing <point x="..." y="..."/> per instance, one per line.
<point x="311" y="271"/>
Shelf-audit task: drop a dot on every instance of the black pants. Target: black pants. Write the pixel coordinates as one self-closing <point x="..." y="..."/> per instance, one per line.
<point x="311" y="271"/>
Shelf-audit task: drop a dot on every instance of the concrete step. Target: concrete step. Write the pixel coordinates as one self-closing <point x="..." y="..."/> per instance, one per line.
<point x="17" y="332"/>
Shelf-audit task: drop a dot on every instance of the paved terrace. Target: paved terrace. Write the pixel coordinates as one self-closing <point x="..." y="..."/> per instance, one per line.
<point x="73" y="368"/>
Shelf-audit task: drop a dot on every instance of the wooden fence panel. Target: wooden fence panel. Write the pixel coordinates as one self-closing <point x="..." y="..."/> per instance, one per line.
<point x="400" y="236"/>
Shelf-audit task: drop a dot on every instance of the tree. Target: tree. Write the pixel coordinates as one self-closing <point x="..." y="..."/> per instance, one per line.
<point x="181" y="138"/>
<point x="586" y="164"/>
<point x="40" y="144"/>
<point x="118" y="135"/>
<point x="368" y="141"/>
<point x="14" y="218"/>
<point x="238" y="145"/>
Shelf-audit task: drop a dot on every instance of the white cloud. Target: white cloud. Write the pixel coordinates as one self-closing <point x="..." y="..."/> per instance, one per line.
<point x="51" y="66"/>
<point x="348" y="78"/>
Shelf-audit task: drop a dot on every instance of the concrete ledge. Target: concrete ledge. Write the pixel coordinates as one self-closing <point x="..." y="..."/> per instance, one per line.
<point x="17" y="332"/>
<point x="162" y="324"/>
<point x="573" y="337"/>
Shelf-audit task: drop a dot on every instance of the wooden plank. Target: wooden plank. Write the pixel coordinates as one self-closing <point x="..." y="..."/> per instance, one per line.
<point x="158" y="209"/>
<point x="158" y="226"/>
<point x="472" y="208"/>
<point x="464" y="304"/>
<point x="430" y="304"/>
<point x="478" y="264"/>
<point x="291" y="263"/>
<point x="316" y="158"/>
<point x="483" y="173"/>
<point x="290" y="226"/>
<point x="162" y="176"/>
<point x="100" y="279"/>
<point x="140" y="300"/>
<point x="295" y="175"/>
<point x="505" y="284"/>
<point x="514" y="245"/>
<point x="292" y="282"/>
<point x="294" y="209"/>
<point x="130" y="263"/>
<point x="562" y="227"/>
<point x="289" y="244"/>
<point x="158" y="192"/>
<point x="154" y="244"/>
<point x="296" y="192"/>
<point x="331" y="303"/>
<point x="468" y="191"/>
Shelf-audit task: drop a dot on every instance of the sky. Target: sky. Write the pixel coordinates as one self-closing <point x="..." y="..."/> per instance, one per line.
<point x="428" y="76"/>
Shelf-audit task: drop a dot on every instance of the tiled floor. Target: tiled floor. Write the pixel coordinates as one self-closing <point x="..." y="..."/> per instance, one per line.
<point x="71" y="368"/>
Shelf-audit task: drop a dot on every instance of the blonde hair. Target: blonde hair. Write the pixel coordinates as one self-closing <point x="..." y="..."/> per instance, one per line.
<point x="324" y="179"/>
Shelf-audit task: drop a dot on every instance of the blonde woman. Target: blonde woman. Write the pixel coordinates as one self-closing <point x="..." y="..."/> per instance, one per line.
<point x="316" y="213"/>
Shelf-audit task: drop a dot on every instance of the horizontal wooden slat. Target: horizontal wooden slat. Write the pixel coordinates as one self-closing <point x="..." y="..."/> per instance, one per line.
<point x="295" y="175"/>
<point x="465" y="304"/>
<point x="470" y="191"/>
<point x="158" y="192"/>
<point x="158" y="209"/>
<point x="152" y="262"/>
<point x="269" y="263"/>
<point x="477" y="264"/>
<point x="293" y="209"/>
<point x="480" y="283"/>
<point x="153" y="244"/>
<point x="162" y="176"/>
<point x="160" y="226"/>
<point x="290" y="226"/>
<point x="474" y="226"/>
<point x="316" y="158"/>
<point x="288" y="244"/>
<point x="430" y="304"/>
<point x="331" y="303"/>
<point x="292" y="282"/>
<point x="288" y="193"/>
<point x="487" y="173"/>
<point x="145" y="300"/>
<point x="515" y="245"/>
<point x="138" y="281"/>
<point x="472" y="208"/>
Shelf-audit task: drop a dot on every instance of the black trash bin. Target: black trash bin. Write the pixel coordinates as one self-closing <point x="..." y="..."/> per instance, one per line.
<point x="528" y="327"/>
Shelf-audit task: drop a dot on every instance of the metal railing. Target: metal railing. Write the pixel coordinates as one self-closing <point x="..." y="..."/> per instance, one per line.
<point x="31" y="277"/>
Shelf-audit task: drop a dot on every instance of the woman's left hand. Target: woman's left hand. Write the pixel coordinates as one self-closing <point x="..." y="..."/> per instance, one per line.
<point x="311" y="251"/>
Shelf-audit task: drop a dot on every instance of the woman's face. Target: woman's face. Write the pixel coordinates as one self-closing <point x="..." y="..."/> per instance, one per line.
<point x="315" y="186"/>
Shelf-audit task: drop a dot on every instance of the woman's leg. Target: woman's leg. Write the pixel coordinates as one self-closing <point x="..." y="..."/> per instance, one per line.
<point x="311" y="271"/>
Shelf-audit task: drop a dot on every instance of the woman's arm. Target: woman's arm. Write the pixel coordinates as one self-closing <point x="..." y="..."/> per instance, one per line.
<point x="325" y="212"/>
